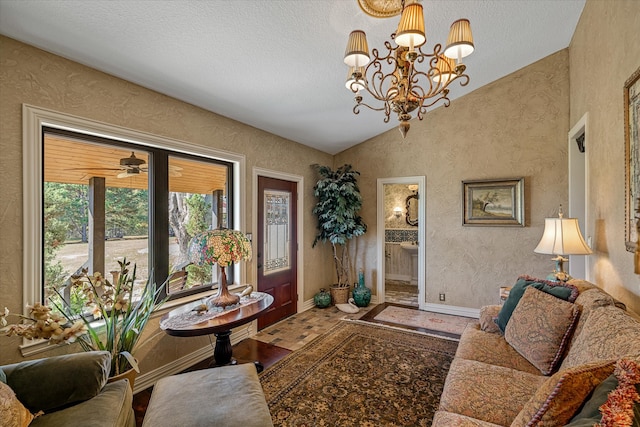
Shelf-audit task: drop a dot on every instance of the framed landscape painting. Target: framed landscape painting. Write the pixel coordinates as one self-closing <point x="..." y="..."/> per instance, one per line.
<point x="632" y="159"/>
<point x="493" y="202"/>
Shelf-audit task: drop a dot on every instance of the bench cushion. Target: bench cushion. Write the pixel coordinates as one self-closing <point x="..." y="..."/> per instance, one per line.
<point x="225" y="396"/>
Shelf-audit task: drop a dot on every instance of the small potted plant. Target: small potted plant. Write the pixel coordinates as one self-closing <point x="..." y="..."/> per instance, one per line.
<point x="337" y="209"/>
<point x="117" y="324"/>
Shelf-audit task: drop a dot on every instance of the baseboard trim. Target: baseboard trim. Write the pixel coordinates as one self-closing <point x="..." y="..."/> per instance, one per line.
<point x="307" y="305"/>
<point x="148" y="379"/>
<point x="400" y="277"/>
<point x="453" y="310"/>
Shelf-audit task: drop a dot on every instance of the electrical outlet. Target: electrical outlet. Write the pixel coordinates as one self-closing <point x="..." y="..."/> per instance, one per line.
<point x="441" y="297"/>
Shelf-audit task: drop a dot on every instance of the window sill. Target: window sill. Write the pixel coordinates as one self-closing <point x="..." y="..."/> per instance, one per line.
<point x="33" y="347"/>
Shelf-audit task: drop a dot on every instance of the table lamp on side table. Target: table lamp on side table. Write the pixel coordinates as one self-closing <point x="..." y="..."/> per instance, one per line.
<point x="224" y="247"/>
<point x="561" y="237"/>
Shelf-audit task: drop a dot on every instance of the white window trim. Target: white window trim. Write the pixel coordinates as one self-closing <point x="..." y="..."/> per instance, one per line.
<point x="33" y="121"/>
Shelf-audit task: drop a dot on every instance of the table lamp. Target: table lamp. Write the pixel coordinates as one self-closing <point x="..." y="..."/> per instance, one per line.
<point x="561" y="237"/>
<point x="221" y="246"/>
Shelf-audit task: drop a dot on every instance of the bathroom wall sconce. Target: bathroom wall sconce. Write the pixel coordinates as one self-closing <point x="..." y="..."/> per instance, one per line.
<point x="397" y="211"/>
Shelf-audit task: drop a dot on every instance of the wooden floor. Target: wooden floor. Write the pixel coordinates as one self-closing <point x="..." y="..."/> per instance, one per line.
<point x="246" y="351"/>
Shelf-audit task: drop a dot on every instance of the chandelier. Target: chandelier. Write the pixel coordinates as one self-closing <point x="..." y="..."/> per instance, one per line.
<point x="393" y="77"/>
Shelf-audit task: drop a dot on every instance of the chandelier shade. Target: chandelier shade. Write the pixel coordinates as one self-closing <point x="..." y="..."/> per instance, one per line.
<point x="357" y="52"/>
<point x="460" y="40"/>
<point x="445" y="70"/>
<point x="355" y="76"/>
<point x="410" y="31"/>
<point x="401" y="78"/>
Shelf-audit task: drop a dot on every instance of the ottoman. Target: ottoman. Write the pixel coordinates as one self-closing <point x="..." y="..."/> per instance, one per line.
<point x="226" y="396"/>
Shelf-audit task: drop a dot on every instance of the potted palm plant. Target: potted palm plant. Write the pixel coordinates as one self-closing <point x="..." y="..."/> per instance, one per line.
<point x="113" y="322"/>
<point x="337" y="209"/>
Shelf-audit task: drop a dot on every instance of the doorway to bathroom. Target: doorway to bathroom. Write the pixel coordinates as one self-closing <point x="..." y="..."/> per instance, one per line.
<point x="401" y="212"/>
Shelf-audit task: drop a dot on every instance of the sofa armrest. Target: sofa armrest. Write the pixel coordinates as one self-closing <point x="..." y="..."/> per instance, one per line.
<point x="487" y="315"/>
<point x="55" y="382"/>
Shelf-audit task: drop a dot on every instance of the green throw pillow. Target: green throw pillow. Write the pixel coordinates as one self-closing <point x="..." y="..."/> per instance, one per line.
<point x="3" y="376"/>
<point x="557" y="289"/>
<point x="590" y="414"/>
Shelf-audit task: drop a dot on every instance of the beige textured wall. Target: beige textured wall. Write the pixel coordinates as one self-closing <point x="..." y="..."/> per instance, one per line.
<point x="516" y="126"/>
<point x="32" y="76"/>
<point x="604" y="52"/>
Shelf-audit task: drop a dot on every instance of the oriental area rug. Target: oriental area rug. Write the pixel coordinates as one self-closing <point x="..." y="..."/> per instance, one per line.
<point x="425" y="319"/>
<point x="360" y="374"/>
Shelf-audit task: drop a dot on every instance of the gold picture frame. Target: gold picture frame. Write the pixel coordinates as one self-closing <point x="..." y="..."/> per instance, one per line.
<point x="632" y="159"/>
<point x="494" y="202"/>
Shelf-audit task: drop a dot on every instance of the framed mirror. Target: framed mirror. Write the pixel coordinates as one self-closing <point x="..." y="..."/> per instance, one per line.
<point x="412" y="210"/>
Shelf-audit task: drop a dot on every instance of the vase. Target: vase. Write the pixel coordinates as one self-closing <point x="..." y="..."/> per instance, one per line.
<point x="361" y="294"/>
<point x="322" y="299"/>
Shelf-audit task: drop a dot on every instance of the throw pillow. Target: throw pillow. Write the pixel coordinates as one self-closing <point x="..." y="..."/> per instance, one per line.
<point x="621" y="407"/>
<point x="561" y="290"/>
<point x="488" y="314"/>
<point x="540" y="328"/>
<point x="12" y="412"/>
<point x="590" y="414"/>
<point x="558" y="399"/>
<point x="3" y="376"/>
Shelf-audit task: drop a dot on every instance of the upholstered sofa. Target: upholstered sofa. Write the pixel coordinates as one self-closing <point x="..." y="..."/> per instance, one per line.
<point x="553" y="365"/>
<point x="70" y="390"/>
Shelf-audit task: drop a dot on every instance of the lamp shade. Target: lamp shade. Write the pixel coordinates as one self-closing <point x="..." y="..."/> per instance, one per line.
<point x="357" y="52"/>
<point x="445" y="70"/>
<point x="562" y="236"/>
<point x="221" y="246"/>
<point x="410" y="31"/>
<point x="352" y="78"/>
<point x="460" y="40"/>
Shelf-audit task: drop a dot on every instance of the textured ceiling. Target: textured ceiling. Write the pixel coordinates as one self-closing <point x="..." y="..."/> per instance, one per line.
<point x="277" y="64"/>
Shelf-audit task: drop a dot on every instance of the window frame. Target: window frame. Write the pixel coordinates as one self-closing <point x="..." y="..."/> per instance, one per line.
<point x="36" y="119"/>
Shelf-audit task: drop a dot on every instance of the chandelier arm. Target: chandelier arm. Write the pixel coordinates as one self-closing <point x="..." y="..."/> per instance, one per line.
<point x="356" y="108"/>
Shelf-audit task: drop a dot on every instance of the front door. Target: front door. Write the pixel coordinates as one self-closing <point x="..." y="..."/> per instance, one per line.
<point x="277" y="247"/>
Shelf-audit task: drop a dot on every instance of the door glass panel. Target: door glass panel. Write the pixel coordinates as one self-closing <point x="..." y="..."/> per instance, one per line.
<point x="197" y="202"/>
<point x="276" y="228"/>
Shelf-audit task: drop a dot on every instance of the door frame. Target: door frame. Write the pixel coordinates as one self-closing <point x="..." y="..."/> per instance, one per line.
<point x="299" y="180"/>
<point x="422" y="235"/>
<point x="578" y="182"/>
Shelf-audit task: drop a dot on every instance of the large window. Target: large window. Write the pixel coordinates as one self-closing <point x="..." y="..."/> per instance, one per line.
<point x="104" y="193"/>
<point x="96" y="211"/>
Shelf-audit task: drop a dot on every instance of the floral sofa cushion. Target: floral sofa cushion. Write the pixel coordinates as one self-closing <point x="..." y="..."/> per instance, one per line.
<point x="491" y="348"/>
<point x="469" y="385"/>
<point x="608" y="333"/>
<point x="443" y="418"/>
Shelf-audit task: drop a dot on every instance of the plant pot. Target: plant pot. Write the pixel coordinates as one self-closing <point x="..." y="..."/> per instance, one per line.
<point x="339" y="294"/>
<point x="130" y="375"/>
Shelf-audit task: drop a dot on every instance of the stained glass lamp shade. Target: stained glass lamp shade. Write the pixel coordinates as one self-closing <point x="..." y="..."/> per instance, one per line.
<point x="224" y="247"/>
